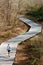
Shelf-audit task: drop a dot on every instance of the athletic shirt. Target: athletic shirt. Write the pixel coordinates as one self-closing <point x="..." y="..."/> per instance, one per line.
<point x="8" y="48"/>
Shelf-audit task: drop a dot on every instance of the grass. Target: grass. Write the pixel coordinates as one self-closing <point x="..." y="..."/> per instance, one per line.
<point x="4" y="35"/>
<point x="9" y="32"/>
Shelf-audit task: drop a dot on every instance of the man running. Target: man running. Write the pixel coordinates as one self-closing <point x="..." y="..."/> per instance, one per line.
<point x="8" y="49"/>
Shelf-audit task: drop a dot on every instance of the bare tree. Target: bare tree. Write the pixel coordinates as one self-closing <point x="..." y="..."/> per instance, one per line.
<point x="8" y="11"/>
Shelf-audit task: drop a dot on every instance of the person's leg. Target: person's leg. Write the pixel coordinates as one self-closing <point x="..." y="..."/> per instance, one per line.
<point x="9" y="53"/>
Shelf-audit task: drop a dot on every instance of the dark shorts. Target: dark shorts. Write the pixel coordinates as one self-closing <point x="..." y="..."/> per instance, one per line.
<point x="8" y="50"/>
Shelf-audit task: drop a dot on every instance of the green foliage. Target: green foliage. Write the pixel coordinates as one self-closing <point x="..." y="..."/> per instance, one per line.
<point x="38" y="14"/>
<point x="34" y="55"/>
<point x="33" y="61"/>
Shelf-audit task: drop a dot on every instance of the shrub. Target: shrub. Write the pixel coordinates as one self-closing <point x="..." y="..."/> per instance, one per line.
<point x="38" y="14"/>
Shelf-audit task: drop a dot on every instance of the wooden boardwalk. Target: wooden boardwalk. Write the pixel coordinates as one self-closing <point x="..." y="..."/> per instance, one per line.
<point x="4" y="59"/>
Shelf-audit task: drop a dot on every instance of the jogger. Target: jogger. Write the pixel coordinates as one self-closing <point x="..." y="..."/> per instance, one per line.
<point x="8" y="49"/>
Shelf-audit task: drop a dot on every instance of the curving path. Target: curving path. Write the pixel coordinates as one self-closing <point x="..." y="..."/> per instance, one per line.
<point x="35" y="29"/>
